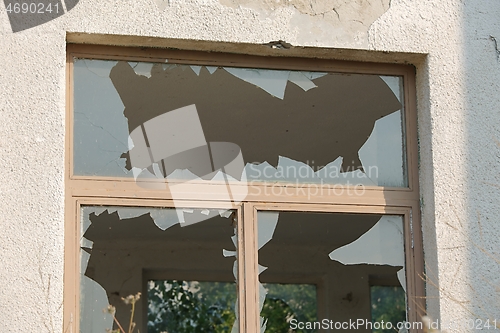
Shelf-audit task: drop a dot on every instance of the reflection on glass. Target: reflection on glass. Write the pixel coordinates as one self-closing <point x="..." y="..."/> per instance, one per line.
<point x="100" y="128"/>
<point x="388" y="305"/>
<point x="291" y="126"/>
<point x="118" y="244"/>
<point x="343" y="252"/>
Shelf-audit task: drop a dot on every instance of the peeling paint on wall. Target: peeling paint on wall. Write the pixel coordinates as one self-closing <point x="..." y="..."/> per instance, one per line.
<point x="162" y="4"/>
<point x="341" y="20"/>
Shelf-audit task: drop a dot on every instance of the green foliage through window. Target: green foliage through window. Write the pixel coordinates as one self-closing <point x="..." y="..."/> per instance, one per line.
<point x="285" y="302"/>
<point x="190" y="306"/>
<point x="176" y="306"/>
<point x="388" y="305"/>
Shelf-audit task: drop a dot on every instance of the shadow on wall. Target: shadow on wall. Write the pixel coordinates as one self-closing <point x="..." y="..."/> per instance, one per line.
<point x="26" y="15"/>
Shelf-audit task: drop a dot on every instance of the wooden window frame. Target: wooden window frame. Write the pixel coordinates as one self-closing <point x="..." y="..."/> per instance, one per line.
<point x="116" y="191"/>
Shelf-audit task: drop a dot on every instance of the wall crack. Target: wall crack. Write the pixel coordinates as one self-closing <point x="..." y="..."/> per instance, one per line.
<point x="494" y="39"/>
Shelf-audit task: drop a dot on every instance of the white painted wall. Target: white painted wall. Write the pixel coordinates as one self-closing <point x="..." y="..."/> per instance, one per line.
<point x="459" y="128"/>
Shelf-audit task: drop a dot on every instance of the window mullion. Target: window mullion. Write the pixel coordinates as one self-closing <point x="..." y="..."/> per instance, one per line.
<point x="249" y="313"/>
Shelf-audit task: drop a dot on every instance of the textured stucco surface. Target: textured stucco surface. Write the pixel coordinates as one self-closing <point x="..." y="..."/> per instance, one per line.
<point x="458" y="105"/>
<point x="459" y="151"/>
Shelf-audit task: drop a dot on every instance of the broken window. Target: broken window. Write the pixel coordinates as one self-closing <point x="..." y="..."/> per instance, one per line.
<point x="193" y="179"/>
<point x="291" y="126"/>
<point x="340" y="251"/>
<point x="121" y="244"/>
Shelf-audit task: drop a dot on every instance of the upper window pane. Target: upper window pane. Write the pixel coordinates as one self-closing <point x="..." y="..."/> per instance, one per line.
<point x="266" y="125"/>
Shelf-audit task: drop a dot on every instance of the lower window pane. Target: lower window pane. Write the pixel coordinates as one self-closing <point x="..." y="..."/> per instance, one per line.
<point x="121" y="246"/>
<point x="341" y="254"/>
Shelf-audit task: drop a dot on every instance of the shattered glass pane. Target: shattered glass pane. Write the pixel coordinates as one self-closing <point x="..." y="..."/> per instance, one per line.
<point x="341" y="253"/>
<point x="287" y="126"/>
<point x="122" y="243"/>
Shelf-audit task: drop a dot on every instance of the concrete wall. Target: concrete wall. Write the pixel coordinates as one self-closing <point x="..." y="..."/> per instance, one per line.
<point x="458" y="109"/>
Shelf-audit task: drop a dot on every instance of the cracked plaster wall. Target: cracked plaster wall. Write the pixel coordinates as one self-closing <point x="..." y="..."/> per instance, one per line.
<point x="459" y="123"/>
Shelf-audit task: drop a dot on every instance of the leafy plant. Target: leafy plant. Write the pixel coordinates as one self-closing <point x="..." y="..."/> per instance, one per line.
<point x="179" y="306"/>
<point x="388" y="305"/>
<point x="285" y="302"/>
